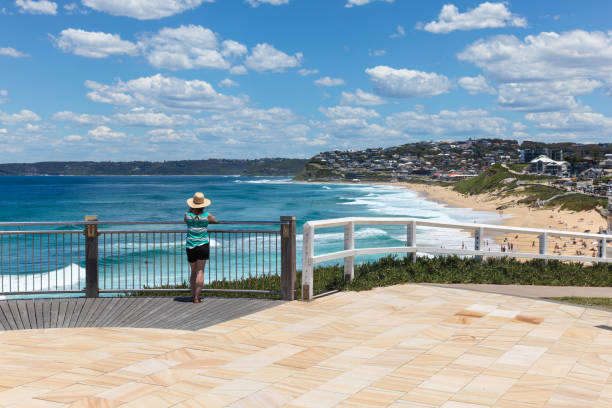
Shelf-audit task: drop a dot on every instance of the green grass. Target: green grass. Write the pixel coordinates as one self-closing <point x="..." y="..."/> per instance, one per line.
<point x="584" y="301"/>
<point x="578" y="202"/>
<point x="395" y="270"/>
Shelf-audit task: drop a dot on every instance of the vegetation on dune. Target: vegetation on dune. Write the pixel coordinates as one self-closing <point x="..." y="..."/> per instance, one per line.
<point x="499" y="181"/>
<point x="396" y="270"/>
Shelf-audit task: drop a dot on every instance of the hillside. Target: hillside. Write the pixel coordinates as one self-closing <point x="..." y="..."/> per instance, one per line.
<point x="500" y="181"/>
<point x="258" y="167"/>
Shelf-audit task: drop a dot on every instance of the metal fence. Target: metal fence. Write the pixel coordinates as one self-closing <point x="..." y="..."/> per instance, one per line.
<point x="94" y="257"/>
<point x="420" y="236"/>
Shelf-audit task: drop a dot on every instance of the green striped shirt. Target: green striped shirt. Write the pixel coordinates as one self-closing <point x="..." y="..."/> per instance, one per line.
<point x="197" y="229"/>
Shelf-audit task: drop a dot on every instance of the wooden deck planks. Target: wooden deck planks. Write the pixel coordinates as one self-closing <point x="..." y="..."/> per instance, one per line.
<point x="141" y="312"/>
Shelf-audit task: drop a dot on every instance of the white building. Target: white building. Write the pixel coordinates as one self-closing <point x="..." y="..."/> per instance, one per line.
<point x="545" y="165"/>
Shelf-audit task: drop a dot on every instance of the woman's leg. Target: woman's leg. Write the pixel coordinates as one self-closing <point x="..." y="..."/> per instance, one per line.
<point x="198" y="278"/>
<point x="192" y="279"/>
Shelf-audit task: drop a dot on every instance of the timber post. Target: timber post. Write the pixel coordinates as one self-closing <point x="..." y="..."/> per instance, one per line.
<point x="288" y="273"/>
<point x="91" y="257"/>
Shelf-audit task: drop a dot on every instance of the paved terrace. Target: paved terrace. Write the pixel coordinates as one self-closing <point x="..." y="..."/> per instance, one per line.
<point x="401" y="346"/>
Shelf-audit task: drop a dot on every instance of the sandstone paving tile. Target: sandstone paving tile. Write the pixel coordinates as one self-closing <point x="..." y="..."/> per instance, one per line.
<point x="519" y="393"/>
<point x="266" y="357"/>
<point x="459" y="404"/>
<point x="128" y="392"/>
<point x="427" y="396"/>
<point x="195" y="385"/>
<point x="448" y="380"/>
<point x="20" y="393"/>
<point x="239" y="388"/>
<point x="474" y="360"/>
<point x="206" y="400"/>
<point x="271" y="373"/>
<point x="269" y="397"/>
<point x="161" y="399"/>
<point x="167" y="377"/>
<point x="309" y="357"/>
<point x="523" y="356"/>
<point x="11" y="379"/>
<point x="149" y="366"/>
<point x="394" y="383"/>
<point x="372" y="397"/>
<point x="94" y="402"/>
<point x="71" y="393"/>
<point x="556" y="365"/>
<point x="318" y="399"/>
<point x="34" y="403"/>
<point x="109" y="380"/>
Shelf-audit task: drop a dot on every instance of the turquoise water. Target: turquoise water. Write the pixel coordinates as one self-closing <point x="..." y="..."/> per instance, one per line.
<point x="162" y="198"/>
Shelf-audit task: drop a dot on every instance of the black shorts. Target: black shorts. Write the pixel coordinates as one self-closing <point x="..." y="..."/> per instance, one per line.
<point x="201" y="252"/>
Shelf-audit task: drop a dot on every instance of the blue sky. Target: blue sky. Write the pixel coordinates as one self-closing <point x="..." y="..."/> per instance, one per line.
<point x="191" y="79"/>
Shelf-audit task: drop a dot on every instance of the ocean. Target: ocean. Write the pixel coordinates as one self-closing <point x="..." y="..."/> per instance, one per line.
<point x="162" y="198"/>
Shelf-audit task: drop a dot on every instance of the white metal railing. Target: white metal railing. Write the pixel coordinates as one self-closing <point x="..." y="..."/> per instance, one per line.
<point x="541" y="250"/>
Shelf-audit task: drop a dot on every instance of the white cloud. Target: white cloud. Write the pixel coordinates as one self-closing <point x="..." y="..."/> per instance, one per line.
<point x="3" y="96"/>
<point x="154" y="119"/>
<point x="446" y="123"/>
<point x="405" y="83"/>
<point x="37" y="7"/>
<point x="543" y="57"/>
<point x="81" y="119"/>
<point x="163" y="92"/>
<point x="230" y="48"/>
<point x="352" y="3"/>
<point x="257" y="3"/>
<point x="544" y="96"/>
<point x="327" y="81"/>
<point x="16" y="118"/>
<point x="93" y="44"/>
<point x="321" y="139"/>
<point x="143" y="9"/>
<point x="399" y="32"/>
<point x="348" y="112"/>
<point x="185" y="47"/>
<point x="264" y="57"/>
<point x="306" y="72"/>
<point x="104" y="133"/>
<point x="486" y="15"/>
<point x="71" y="6"/>
<point x="227" y="83"/>
<point x="361" y="98"/>
<point x="169" y="136"/>
<point x="476" y="85"/>
<point x="11" y="52"/>
<point x="238" y="70"/>
<point x="376" y="53"/>
<point x="73" y="138"/>
<point x="578" y="121"/>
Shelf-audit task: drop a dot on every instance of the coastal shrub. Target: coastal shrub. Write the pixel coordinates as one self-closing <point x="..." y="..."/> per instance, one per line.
<point x="393" y="270"/>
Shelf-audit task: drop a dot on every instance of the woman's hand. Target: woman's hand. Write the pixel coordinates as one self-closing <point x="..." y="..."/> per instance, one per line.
<point x="211" y="219"/>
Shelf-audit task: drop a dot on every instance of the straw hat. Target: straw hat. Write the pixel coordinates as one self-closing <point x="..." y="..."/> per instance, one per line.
<point x="198" y="201"/>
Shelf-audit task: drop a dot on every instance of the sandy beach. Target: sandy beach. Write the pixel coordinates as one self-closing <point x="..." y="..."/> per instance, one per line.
<point x="523" y="216"/>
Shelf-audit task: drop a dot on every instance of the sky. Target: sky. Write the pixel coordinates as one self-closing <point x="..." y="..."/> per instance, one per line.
<point x="194" y="79"/>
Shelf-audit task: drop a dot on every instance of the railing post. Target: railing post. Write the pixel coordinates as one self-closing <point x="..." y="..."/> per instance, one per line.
<point x="411" y="238"/>
<point x="307" y="261"/>
<point x="601" y="249"/>
<point x="478" y="237"/>
<point x="349" y="243"/>
<point x="288" y="258"/>
<point x="543" y="238"/>
<point x="91" y="257"/>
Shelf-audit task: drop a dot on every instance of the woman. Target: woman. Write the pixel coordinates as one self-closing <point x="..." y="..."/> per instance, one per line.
<point x="198" y="245"/>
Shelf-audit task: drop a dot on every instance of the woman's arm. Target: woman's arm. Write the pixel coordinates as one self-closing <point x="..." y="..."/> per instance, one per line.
<point x="211" y="218"/>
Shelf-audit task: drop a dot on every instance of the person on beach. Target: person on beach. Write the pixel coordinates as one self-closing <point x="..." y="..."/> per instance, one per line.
<point x="197" y="241"/>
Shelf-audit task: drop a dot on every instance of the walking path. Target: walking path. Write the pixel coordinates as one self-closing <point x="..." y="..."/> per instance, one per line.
<point x="401" y="346"/>
<point x="158" y="312"/>
<point x="533" y="291"/>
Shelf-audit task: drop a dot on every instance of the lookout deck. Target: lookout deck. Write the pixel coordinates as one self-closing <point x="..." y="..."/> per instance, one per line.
<point x="140" y="312"/>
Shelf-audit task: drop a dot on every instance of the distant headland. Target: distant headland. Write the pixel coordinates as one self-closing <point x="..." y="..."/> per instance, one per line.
<point x="255" y="167"/>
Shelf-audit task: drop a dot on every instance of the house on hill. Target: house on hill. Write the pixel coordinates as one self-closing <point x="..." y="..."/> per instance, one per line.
<point x="545" y="165"/>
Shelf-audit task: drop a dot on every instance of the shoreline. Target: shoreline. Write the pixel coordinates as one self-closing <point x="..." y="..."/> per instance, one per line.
<point x="514" y="214"/>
